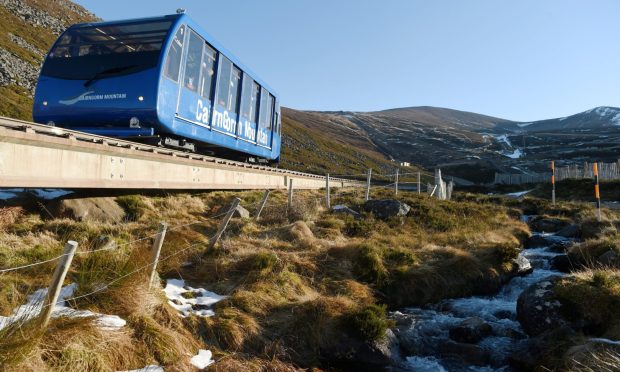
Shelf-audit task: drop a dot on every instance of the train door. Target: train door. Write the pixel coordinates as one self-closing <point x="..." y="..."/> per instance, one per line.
<point x="196" y="85"/>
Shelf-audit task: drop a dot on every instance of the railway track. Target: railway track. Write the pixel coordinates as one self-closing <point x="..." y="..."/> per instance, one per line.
<point x="35" y="155"/>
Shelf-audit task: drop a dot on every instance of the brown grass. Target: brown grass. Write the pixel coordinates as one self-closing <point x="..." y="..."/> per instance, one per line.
<point x="295" y="280"/>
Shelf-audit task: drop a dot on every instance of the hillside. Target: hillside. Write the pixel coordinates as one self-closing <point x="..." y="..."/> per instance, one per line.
<point x="27" y="31"/>
<point x="319" y="143"/>
<point x="473" y="146"/>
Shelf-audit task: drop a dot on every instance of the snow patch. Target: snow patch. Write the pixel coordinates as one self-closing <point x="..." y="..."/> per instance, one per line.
<point x="516" y="154"/>
<point x="518" y="194"/>
<point x="504" y="138"/>
<point x="524" y="124"/>
<point x="34" y="305"/>
<point x="188" y="300"/>
<point x="202" y="360"/>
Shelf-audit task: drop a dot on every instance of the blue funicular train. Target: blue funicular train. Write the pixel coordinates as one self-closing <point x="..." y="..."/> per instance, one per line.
<point x="160" y="80"/>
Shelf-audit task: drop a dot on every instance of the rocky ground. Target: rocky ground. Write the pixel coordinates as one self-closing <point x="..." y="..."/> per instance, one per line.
<point x="27" y="32"/>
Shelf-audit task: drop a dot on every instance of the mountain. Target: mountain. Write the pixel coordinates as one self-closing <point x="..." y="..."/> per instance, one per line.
<point x="27" y="31"/>
<point x="603" y="117"/>
<point x="473" y="146"/>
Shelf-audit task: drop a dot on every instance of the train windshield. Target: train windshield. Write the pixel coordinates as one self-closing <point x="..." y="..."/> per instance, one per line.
<point x="94" y="52"/>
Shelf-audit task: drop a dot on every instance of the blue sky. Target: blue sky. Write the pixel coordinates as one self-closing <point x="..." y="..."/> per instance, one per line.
<point x="520" y="60"/>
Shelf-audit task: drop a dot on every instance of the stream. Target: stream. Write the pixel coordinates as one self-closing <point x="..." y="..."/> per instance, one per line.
<point x="473" y="333"/>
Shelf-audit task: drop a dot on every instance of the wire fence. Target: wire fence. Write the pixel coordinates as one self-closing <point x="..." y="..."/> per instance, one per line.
<point x="295" y="199"/>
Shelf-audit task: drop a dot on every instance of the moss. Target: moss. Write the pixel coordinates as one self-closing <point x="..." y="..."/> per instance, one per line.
<point x="369" y="265"/>
<point x="264" y="261"/>
<point x="371" y="322"/>
<point x="133" y="205"/>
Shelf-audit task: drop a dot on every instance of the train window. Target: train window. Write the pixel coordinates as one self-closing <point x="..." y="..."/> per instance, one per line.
<point x="101" y="51"/>
<point x="193" y="62"/>
<point x="270" y="106"/>
<point x="209" y="56"/>
<point x="173" y="59"/>
<point x="255" y="104"/>
<point x="223" y="84"/>
<point x="235" y="90"/>
<point x="264" y="109"/>
<point x="246" y="100"/>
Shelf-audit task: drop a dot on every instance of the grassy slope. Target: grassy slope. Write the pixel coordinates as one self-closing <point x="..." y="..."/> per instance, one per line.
<point x="314" y="143"/>
<point x="295" y="289"/>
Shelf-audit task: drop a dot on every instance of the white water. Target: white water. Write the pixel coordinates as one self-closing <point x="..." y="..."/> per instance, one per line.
<point x="430" y="326"/>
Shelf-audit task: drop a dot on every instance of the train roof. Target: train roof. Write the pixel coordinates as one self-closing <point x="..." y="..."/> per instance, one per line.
<point x="178" y="18"/>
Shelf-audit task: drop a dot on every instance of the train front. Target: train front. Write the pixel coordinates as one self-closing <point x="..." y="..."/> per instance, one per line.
<point x="102" y="78"/>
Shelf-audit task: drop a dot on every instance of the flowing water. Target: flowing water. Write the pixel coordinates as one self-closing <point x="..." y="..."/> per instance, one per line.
<point x="425" y="332"/>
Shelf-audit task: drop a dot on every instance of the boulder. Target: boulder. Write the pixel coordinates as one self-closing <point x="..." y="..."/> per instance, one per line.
<point x="609" y="258"/>
<point x="522" y="266"/>
<point x="548" y="224"/>
<point x="561" y="263"/>
<point x="470" y="331"/>
<point x="239" y="212"/>
<point x="539" y="241"/>
<point x="343" y="209"/>
<point x="537" y="309"/>
<point x="387" y="208"/>
<point x="561" y="246"/>
<point x="470" y="354"/>
<point x="570" y="231"/>
<point x="529" y="354"/>
<point x="101" y="209"/>
<point x="350" y="353"/>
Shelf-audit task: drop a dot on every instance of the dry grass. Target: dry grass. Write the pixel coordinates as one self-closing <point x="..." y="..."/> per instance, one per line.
<point x="297" y="281"/>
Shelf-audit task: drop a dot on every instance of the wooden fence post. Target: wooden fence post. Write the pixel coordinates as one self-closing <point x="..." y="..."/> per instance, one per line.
<point x="419" y="184"/>
<point x="290" y="193"/>
<point x="155" y="250"/>
<point x="57" y="279"/>
<point x="224" y="223"/>
<point x="396" y="182"/>
<point x="368" y="178"/>
<point x="597" y="194"/>
<point x="262" y="204"/>
<point x="327" y="192"/>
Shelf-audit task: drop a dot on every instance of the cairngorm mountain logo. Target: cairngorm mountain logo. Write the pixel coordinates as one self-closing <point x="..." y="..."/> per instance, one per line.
<point x="90" y="95"/>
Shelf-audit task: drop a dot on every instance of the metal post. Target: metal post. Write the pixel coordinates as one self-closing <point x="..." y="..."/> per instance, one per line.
<point x="224" y="223"/>
<point x="155" y="250"/>
<point x="368" y="184"/>
<point x="419" y="184"/>
<point x="262" y="204"/>
<point x="396" y="182"/>
<point x="56" y="285"/>
<point x="596" y="191"/>
<point x="553" y="182"/>
<point x="327" y="192"/>
<point x="290" y="193"/>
